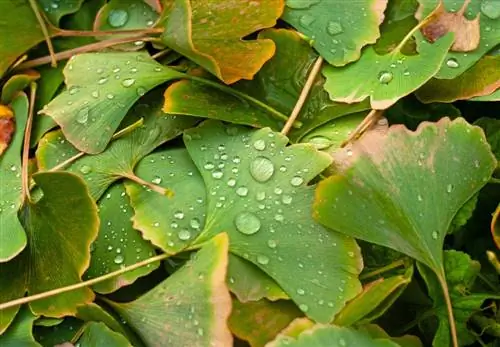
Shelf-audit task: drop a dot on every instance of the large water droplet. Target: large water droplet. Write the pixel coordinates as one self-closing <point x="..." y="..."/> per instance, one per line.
<point x="262" y="259"/>
<point x="334" y="28"/>
<point x="118" y="259"/>
<point x="117" y="18"/>
<point x="179" y="215"/>
<point x="452" y="63"/>
<point x="261" y="169"/>
<point x="247" y="223"/>
<point x="296" y="181"/>
<point x="385" y="77"/>
<point x="217" y="174"/>
<point x="449" y="188"/>
<point x="434" y="235"/>
<point x="184" y="235"/>
<point x="259" y="145"/>
<point x="242" y="191"/>
<point x="491" y="8"/>
<point x="82" y="116"/>
<point x="128" y="82"/>
<point x="320" y="142"/>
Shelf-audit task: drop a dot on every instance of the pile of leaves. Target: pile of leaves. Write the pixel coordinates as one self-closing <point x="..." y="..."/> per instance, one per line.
<point x="250" y="173"/>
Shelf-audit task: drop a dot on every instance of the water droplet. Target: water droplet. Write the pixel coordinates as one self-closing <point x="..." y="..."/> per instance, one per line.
<point x="385" y="77"/>
<point x="449" y="188"/>
<point x="259" y="145"/>
<point x="73" y="90"/>
<point x="247" y="223"/>
<point x="117" y="18"/>
<point x="342" y="342"/>
<point x="334" y="28"/>
<point x="262" y="259"/>
<point x="95" y="94"/>
<point x="179" y="214"/>
<point x="272" y="243"/>
<point x="452" y="63"/>
<point x="279" y="218"/>
<point x="141" y="91"/>
<point x="85" y="169"/>
<point x="420" y="198"/>
<point x="82" y="116"/>
<point x="128" y="82"/>
<point x="260" y="196"/>
<point x="286" y="199"/>
<point x="242" y="191"/>
<point x="304" y="307"/>
<point x="118" y="259"/>
<point x="184" y="235"/>
<point x="231" y="182"/>
<point x="320" y="142"/>
<point x="209" y="166"/>
<point x="301" y="291"/>
<point x="110" y="96"/>
<point x="434" y="235"/>
<point x="491" y="8"/>
<point x="296" y="181"/>
<point x="156" y="180"/>
<point x="195" y="223"/>
<point x="102" y="80"/>
<point x="217" y="174"/>
<point x="306" y="20"/>
<point x="261" y="169"/>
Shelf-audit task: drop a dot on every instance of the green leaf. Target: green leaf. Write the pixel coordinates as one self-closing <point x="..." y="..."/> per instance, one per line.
<point x="101" y="88"/>
<point x="324" y="335"/>
<point x="481" y="79"/>
<point x="337" y="35"/>
<point x="20" y="332"/>
<point x="487" y="10"/>
<point x="118" y="243"/>
<point x="63" y="238"/>
<point x="377" y="332"/>
<point x="68" y="330"/>
<point x="410" y="218"/>
<point x="257" y="192"/>
<point x="97" y="334"/>
<point x="123" y="154"/>
<point x="194" y="298"/>
<point x="19" y="31"/>
<point x="55" y="10"/>
<point x="374" y="300"/>
<point x="16" y="84"/>
<point x="491" y="128"/>
<point x="125" y="15"/>
<point x="386" y="78"/>
<point x="259" y="322"/>
<point x="12" y="234"/>
<point x="461" y="273"/>
<point x="214" y="41"/>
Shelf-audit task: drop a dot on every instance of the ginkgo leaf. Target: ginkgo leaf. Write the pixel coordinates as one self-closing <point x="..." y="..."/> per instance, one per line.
<point x="118" y="244"/>
<point x="19" y="32"/>
<point x="481" y="79"/>
<point x="257" y="192"/>
<point x="101" y="88"/>
<point x="259" y="322"/>
<point x="387" y="78"/>
<point x="12" y="235"/>
<point x="377" y="332"/>
<point x="438" y="158"/>
<point x="55" y="10"/>
<point x="120" y="158"/>
<point x="337" y="34"/>
<point x="206" y="33"/>
<point x="330" y="335"/>
<point x="14" y="85"/>
<point x="7" y="127"/>
<point x="98" y="334"/>
<point x="195" y="298"/>
<point x="58" y="236"/>
<point x="20" y="332"/>
<point x="487" y="12"/>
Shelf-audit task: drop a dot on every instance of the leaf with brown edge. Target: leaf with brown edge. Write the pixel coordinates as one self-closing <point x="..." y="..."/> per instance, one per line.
<point x="7" y="127"/>
<point x="481" y="79"/>
<point x="258" y="322"/>
<point x="467" y="33"/>
<point x="189" y="308"/>
<point x="210" y="33"/>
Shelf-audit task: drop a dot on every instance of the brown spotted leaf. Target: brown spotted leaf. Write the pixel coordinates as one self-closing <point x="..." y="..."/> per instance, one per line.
<point x="467" y="33"/>
<point x="210" y="33"/>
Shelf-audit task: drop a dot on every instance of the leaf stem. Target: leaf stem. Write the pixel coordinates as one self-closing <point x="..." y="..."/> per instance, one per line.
<point x="243" y="96"/>
<point x="303" y="95"/>
<point x="451" y="319"/>
<point x="67" y="162"/>
<point x="365" y="124"/>
<point x="393" y="265"/>
<point x="82" y="49"/>
<point x="417" y="27"/>
<point x="91" y="33"/>
<point x="163" y="191"/>
<point x="26" y="146"/>
<point x="88" y="283"/>
<point x="45" y="31"/>
<point x="409" y="325"/>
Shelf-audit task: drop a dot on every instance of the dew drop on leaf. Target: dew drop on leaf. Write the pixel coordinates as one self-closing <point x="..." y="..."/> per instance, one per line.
<point x="261" y="169"/>
<point x="304" y="307"/>
<point x="118" y="259"/>
<point x="259" y="145"/>
<point x="128" y="82"/>
<point x="271" y="243"/>
<point x="452" y="63"/>
<point x="385" y="77"/>
<point x="334" y="28"/>
<point x="262" y="259"/>
<point x="85" y="169"/>
<point x="306" y="20"/>
<point x="296" y="181"/>
<point x="117" y="18"/>
<point x="184" y="235"/>
<point x="82" y="115"/>
<point x="242" y="191"/>
<point x="434" y="235"/>
<point x="156" y="180"/>
<point x="320" y="142"/>
<point x="247" y="223"/>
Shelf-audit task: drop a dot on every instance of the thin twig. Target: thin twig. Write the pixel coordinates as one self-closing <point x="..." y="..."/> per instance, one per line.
<point x="161" y="53"/>
<point x="26" y="146"/>
<point x="83" y="33"/>
<point x="366" y="123"/>
<point x="84" y="284"/>
<point x="449" y="308"/>
<point x="82" y="49"/>
<point x="152" y="186"/>
<point x="67" y="162"/>
<point x="303" y="95"/>
<point x="45" y="31"/>
<point x="391" y="266"/>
